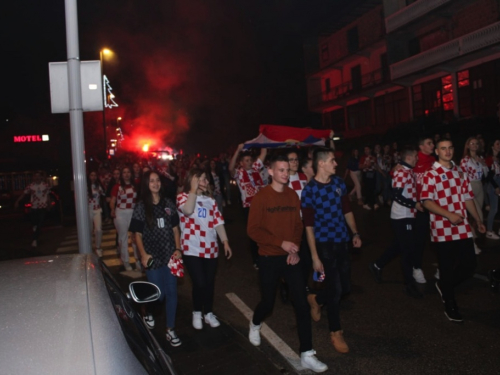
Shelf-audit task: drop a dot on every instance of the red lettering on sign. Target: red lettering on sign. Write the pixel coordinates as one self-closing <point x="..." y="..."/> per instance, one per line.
<point x="28" y="138"/>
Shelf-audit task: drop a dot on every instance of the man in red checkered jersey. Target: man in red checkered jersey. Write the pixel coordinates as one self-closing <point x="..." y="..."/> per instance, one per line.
<point x="447" y="194"/>
<point x="249" y="181"/>
<point x="403" y="212"/>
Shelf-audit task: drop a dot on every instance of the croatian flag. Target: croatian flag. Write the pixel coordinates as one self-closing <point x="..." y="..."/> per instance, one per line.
<point x="271" y="136"/>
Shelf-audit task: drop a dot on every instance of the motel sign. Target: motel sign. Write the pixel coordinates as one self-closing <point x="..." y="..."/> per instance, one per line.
<point x="31" y="138"/>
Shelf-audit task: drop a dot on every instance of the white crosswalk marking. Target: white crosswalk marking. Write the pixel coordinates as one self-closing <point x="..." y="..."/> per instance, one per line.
<point x="108" y="245"/>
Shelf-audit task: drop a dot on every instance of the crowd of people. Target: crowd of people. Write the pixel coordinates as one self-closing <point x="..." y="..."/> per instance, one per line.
<point x="300" y="222"/>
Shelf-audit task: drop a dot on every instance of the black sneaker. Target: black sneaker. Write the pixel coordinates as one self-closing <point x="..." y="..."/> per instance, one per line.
<point x="413" y="291"/>
<point x="451" y="312"/>
<point x="376" y="272"/>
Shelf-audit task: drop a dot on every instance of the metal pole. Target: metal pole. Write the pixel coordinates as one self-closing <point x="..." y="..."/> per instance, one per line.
<point x="76" y="126"/>
<point x="101" y="57"/>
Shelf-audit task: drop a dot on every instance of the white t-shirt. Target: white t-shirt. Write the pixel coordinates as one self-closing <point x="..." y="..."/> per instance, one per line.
<point x="198" y="237"/>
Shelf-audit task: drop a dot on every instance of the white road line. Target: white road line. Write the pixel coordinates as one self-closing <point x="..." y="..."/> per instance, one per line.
<point x="287" y="352"/>
<point x="67" y="249"/>
<point x="109" y="243"/>
<point x="116" y="262"/>
<point x="70" y="242"/>
<point x="112" y="252"/>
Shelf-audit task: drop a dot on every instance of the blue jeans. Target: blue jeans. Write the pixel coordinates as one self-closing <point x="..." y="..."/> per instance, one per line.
<point x="163" y="279"/>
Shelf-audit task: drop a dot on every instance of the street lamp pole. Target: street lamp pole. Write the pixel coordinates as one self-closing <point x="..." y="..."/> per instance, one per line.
<point x="101" y="58"/>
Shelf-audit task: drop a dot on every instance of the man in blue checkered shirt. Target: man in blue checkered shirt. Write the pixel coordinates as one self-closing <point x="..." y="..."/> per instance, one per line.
<point x="327" y="214"/>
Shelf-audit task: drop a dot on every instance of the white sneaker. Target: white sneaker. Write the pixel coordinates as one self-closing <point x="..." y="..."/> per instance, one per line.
<point x="149" y="320"/>
<point x="477" y="250"/>
<point x="492" y="235"/>
<point x="308" y="360"/>
<point x="197" y="323"/>
<point x="99" y="253"/>
<point x="211" y="319"/>
<point x="127" y="266"/>
<point x="172" y="338"/>
<point x="418" y="275"/>
<point x="254" y="334"/>
<point x="436" y="275"/>
<point x="366" y="207"/>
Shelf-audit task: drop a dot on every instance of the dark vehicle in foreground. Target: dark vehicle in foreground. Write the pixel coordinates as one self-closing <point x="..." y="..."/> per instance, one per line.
<point x="67" y="315"/>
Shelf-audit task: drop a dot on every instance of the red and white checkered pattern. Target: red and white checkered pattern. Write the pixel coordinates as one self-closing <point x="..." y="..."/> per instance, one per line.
<point x="198" y="237"/>
<point x="424" y="163"/>
<point x="449" y="189"/>
<point x="404" y="178"/>
<point x="249" y="182"/>
<point x="176" y="266"/>
<point x="39" y="194"/>
<point x="297" y="182"/>
<point x="125" y="197"/>
<point x="95" y="199"/>
<point x="475" y="169"/>
<point x="370" y="160"/>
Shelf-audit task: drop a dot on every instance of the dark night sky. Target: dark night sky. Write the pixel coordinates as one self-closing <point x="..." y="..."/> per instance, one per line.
<point x="200" y="75"/>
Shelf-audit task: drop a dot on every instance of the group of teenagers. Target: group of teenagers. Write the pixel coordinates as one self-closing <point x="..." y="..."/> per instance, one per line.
<point x="432" y="197"/>
<point x="163" y="232"/>
<point x="299" y="219"/>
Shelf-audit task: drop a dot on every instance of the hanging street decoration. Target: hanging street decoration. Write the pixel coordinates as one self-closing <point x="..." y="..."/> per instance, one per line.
<point x="109" y="97"/>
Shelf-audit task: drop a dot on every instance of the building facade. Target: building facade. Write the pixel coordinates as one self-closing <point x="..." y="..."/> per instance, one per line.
<point x="401" y="61"/>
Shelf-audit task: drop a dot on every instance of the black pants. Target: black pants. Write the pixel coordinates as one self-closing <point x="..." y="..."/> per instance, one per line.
<point x="457" y="262"/>
<point x="337" y="266"/>
<point x="254" y="248"/>
<point x="404" y="244"/>
<point x="305" y="259"/>
<point x="271" y="269"/>
<point x="36" y="218"/>
<point x="370" y="187"/>
<point x="421" y="237"/>
<point x="202" y="272"/>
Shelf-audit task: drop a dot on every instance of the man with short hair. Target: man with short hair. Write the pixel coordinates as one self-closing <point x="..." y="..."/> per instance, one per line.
<point x="249" y="181"/>
<point x="403" y="211"/>
<point x="327" y="214"/>
<point x="275" y="224"/>
<point x="447" y="194"/>
<point x="425" y="161"/>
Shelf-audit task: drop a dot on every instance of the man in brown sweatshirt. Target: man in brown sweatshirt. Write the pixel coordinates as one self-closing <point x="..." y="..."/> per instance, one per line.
<point x="274" y="223"/>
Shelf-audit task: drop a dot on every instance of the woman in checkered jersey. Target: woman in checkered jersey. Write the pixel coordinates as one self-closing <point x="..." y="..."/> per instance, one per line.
<point x="476" y="169"/>
<point x="123" y="198"/>
<point x="201" y="222"/>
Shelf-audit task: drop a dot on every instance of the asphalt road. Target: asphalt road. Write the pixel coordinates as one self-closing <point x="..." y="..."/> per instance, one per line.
<point x="387" y="331"/>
